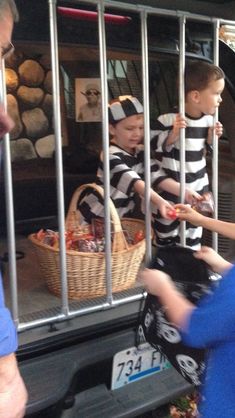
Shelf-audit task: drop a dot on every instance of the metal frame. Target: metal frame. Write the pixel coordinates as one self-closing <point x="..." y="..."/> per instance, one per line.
<point x="144" y="11"/>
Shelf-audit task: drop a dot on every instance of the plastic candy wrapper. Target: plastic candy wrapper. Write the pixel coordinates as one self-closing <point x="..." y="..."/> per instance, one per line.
<point x="90" y="239"/>
<point x="98" y="227"/>
<point x="91" y="245"/>
<point x="98" y="230"/>
<point x="206" y="206"/>
<point x="172" y="214"/>
<point x="74" y="240"/>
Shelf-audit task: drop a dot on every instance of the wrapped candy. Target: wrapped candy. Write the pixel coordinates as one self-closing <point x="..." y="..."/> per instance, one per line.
<point x="98" y="227"/>
<point x="76" y="241"/>
<point x="206" y="206"/>
<point x="88" y="239"/>
<point x="87" y="245"/>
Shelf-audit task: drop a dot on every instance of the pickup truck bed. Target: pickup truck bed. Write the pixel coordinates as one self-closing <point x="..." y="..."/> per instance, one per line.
<point x="74" y="382"/>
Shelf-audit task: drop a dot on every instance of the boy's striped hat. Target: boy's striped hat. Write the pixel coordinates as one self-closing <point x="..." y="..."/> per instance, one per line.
<point x="123" y="107"/>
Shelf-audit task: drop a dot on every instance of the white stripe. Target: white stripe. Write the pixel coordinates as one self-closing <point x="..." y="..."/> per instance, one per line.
<point x="137" y="104"/>
<point x="117" y="111"/>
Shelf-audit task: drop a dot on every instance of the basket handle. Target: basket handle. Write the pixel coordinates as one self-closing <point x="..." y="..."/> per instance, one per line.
<point x="119" y="240"/>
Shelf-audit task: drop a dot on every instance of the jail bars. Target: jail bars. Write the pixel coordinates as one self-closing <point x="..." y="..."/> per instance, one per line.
<point x="144" y="12"/>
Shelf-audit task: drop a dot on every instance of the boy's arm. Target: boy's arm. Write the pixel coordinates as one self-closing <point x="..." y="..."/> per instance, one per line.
<point x="163" y="206"/>
<point x="167" y="131"/>
<point x="216" y="262"/>
<point x="130" y="180"/>
<point x="186" y="213"/>
<point x="174" y="134"/>
<point x="171" y="186"/>
<point x="178" y="308"/>
<point x="13" y="394"/>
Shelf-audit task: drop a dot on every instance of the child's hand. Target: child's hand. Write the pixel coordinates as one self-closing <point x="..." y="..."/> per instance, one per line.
<point x="186" y="213"/>
<point x="165" y="208"/>
<point x="158" y="283"/>
<point x="218" y="128"/>
<point x="217" y="263"/>
<point x="191" y="196"/>
<point x="179" y="123"/>
<point x="153" y="280"/>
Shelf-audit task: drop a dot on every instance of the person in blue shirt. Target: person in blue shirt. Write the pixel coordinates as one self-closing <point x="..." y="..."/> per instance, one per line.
<point x="13" y="394"/>
<point x="208" y="325"/>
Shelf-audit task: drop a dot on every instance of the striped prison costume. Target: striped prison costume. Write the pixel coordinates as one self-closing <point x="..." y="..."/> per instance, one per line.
<point x="196" y="178"/>
<point x="125" y="170"/>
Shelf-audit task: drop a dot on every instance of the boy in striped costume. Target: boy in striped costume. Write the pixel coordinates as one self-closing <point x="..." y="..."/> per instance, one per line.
<point x="204" y="84"/>
<point x="126" y="155"/>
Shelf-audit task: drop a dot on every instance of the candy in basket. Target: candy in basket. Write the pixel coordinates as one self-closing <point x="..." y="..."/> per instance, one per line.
<point x="85" y="252"/>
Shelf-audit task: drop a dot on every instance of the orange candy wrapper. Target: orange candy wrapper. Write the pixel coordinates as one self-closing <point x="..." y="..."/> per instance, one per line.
<point x="88" y="239"/>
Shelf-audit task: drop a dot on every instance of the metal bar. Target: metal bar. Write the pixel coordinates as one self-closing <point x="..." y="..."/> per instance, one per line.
<point x="58" y="153"/>
<point x="215" y="159"/>
<point x="226" y="22"/>
<point x="73" y="314"/>
<point x="148" y="9"/>
<point x="105" y="129"/>
<point x="182" y="22"/>
<point x="144" y="10"/>
<point x="145" y="83"/>
<point x="9" y="208"/>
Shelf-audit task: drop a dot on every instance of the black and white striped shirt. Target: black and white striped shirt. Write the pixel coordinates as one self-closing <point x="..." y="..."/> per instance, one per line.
<point x="196" y="177"/>
<point x="125" y="170"/>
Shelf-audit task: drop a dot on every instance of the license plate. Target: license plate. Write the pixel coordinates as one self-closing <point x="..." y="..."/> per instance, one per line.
<point x="135" y="363"/>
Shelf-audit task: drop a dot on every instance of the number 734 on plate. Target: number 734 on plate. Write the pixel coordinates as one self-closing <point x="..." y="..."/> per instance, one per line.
<point x="135" y="363"/>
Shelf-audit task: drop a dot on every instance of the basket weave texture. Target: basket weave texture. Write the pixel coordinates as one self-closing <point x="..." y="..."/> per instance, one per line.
<point x="86" y="271"/>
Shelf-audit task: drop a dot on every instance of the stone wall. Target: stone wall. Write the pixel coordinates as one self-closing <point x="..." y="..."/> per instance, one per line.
<point x="29" y="101"/>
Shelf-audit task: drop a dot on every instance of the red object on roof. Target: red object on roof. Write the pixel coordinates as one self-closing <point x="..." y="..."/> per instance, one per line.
<point x="92" y="16"/>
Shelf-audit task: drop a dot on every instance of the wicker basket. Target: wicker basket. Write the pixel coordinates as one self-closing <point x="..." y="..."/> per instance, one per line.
<point x="86" y="271"/>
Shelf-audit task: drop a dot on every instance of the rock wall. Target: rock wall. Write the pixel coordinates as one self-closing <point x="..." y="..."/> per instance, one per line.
<point x="29" y="101"/>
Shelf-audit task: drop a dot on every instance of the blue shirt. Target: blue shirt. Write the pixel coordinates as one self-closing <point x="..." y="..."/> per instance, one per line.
<point x="212" y="325"/>
<point x="8" y="334"/>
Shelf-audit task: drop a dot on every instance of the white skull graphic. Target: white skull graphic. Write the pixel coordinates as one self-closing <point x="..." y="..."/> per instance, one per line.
<point x="166" y="330"/>
<point x="188" y="367"/>
<point x="148" y="319"/>
<point x="141" y="335"/>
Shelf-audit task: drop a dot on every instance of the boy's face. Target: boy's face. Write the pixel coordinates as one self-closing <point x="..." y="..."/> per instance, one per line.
<point x="128" y="133"/>
<point x="209" y="99"/>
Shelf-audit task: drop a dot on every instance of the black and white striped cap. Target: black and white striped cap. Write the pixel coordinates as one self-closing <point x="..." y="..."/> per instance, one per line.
<point x="123" y="107"/>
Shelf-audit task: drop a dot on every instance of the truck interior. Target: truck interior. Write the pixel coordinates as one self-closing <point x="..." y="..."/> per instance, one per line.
<point x="66" y="347"/>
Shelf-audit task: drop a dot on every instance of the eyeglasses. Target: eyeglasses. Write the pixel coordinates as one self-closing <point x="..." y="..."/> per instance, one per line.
<point x="92" y="93"/>
<point x="7" y="50"/>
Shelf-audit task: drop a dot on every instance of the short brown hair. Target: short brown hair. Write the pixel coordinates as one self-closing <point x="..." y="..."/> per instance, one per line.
<point x="198" y="74"/>
<point x="9" y="5"/>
